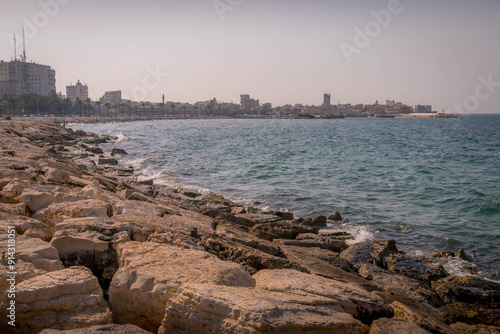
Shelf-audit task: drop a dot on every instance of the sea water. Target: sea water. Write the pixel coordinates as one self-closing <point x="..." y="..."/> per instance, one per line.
<point x="430" y="184"/>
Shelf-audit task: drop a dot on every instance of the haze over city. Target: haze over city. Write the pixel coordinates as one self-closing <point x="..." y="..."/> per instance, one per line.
<point x="281" y="51"/>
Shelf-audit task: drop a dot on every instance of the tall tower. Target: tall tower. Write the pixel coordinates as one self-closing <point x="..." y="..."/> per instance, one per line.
<point x="326" y="101"/>
<point x="23" y="57"/>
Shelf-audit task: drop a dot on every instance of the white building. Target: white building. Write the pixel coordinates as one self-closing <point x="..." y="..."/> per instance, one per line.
<point x="19" y="77"/>
<point x="423" y="109"/>
<point x="112" y="97"/>
<point x="77" y="91"/>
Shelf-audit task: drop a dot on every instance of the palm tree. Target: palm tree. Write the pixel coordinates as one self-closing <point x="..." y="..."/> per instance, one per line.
<point x="87" y="100"/>
<point x="80" y="104"/>
<point x="99" y="107"/>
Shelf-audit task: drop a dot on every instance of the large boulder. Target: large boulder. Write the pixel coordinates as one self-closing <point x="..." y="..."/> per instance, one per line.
<point x="355" y="300"/>
<point x="13" y="209"/>
<point x="223" y="309"/>
<point x="369" y="251"/>
<point x="474" y="314"/>
<point x="91" y="242"/>
<point x="21" y="224"/>
<point x="63" y="299"/>
<point x="392" y="287"/>
<point x="409" y="314"/>
<point x="253" y="259"/>
<point x="239" y="234"/>
<point x="150" y="274"/>
<point x="414" y="267"/>
<point x="58" y="212"/>
<point x="468" y="289"/>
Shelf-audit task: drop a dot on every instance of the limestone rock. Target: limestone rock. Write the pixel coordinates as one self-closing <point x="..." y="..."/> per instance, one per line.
<point x="474" y="329"/>
<point x="58" y="212"/>
<point x="413" y="267"/>
<point x="150" y="274"/>
<point x="471" y="314"/>
<point x="355" y="300"/>
<point x="370" y="251"/>
<point x="280" y="230"/>
<point x="13" y="209"/>
<point x="335" y="217"/>
<point x="331" y="245"/>
<point x="20" y="223"/>
<point x="392" y="287"/>
<point x="42" y="254"/>
<point x="408" y="314"/>
<point x="315" y="221"/>
<point x="63" y="299"/>
<point x="468" y="289"/>
<point x="216" y="309"/>
<point x="36" y="200"/>
<point x="44" y="234"/>
<point x="253" y="259"/>
<point x="176" y="239"/>
<point x="107" y="161"/>
<point x="395" y="326"/>
<point x="116" y="329"/>
<point x="15" y="187"/>
<point x="239" y="234"/>
<point x="252" y="219"/>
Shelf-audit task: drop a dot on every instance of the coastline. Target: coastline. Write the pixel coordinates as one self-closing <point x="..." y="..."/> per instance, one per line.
<point x="99" y="216"/>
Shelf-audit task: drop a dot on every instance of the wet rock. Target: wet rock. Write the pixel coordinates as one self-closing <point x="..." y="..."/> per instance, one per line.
<point x="338" y="234"/>
<point x="319" y="221"/>
<point x="335" y="217"/>
<point x="107" y="161"/>
<point x="409" y="291"/>
<point x="222" y="309"/>
<point x="474" y="314"/>
<point x="355" y="300"/>
<point x="63" y="299"/>
<point x="151" y="273"/>
<point x="461" y="254"/>
<point x="280" y="230"/>
<point x="370" y="251"/>
<point x="238" y="210"/>
<point x="444" y="255"/>
<point x="410" y="315"/>
<point x="395" y="326"/>
<point x="283" y="215"/>
<point x="331" y="245"/>
<point x="94" y="149"/>
<point x="112" y="329"/>
<point x="468" y="289"/>
<point x="413" y="267"/>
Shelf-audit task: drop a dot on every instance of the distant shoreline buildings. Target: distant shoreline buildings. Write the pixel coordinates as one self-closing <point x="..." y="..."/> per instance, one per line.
<point x="18" y="77"/>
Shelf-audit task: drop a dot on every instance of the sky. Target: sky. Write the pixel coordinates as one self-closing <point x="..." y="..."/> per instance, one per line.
<point x="440" y="52"/>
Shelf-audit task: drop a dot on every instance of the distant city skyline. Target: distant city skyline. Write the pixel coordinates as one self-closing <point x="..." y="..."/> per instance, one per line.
<point x="442" y="53"/>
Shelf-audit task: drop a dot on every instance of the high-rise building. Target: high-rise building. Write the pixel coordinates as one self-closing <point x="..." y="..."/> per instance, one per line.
<point x="112" y="98"/>
<point x="19" y="77"/>
<point x="77" y="91"/>
<point x="248" y="104"/>
<point x="327" y="102"/>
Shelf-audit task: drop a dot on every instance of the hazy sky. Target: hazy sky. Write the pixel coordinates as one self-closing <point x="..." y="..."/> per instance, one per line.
<point x="279" y="51"/>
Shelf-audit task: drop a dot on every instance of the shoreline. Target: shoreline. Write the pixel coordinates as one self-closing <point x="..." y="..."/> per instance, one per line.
<point x="102" y="225"/>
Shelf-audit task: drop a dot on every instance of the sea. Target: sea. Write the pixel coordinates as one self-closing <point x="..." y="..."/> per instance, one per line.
<point x="433" y="185"/>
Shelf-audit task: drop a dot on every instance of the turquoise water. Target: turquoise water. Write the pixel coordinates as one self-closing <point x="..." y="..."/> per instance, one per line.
<point x="431" y="184"/>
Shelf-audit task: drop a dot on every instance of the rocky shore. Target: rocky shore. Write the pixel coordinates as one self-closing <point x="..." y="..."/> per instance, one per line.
<point x="86" y="248"/>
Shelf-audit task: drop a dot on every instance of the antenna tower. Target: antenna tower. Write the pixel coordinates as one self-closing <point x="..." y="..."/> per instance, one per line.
<point x="23" y="57"/>
<point x="15" y="48"/>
